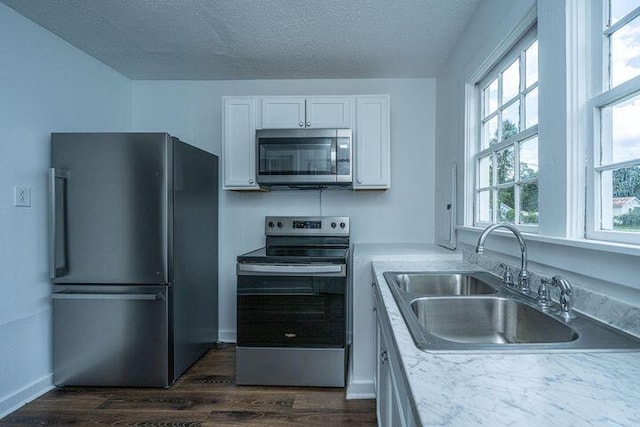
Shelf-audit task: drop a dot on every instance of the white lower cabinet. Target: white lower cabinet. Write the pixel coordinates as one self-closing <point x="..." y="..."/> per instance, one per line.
<point x="394" y="405"/>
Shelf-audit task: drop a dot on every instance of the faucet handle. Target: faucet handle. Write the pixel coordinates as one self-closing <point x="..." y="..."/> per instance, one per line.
<point x="507" y="275"/>
<point x="523" y="282"/>
<point x="566" y="297"/>
<point x="544" y="294"/>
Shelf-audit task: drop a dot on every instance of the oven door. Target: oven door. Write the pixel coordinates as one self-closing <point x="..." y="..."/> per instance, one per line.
<point x="291" y="305"/>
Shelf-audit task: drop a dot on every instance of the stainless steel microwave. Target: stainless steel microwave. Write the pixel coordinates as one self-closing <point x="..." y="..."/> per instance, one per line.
<point x="304" y="157"/>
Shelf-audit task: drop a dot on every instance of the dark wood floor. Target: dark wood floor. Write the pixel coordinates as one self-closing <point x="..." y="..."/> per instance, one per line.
<point x="206" y="395"/>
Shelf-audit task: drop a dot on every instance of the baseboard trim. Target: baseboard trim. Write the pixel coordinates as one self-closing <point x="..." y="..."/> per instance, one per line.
<point x="25" y="395"/>
<point x="227" y="336"/>
<point x="361" y="390"/>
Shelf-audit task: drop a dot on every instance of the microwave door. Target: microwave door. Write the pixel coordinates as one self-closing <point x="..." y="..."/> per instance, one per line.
<point x="296" y="161"/>
<point x="300" y="157"/>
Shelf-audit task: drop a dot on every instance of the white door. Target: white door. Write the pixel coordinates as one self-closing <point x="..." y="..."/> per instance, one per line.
<point x="238" y="144"/>
<point x="328" y="112"/>
<point x="283" y="112"/>
<point x="372" y="143"/>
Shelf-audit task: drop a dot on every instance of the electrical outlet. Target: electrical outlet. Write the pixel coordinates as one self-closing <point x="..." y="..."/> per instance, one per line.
<point x="22" y="197"/>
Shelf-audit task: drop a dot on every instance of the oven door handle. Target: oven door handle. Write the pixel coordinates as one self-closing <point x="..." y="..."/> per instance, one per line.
<point x="332" y="270"/>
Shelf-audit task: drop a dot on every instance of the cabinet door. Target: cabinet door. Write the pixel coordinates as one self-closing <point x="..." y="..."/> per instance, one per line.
<point x="372" y="145"/>
<point x="238" y="144"/>
<point x="328" y="112"/>
<point x="283" y="112"/>
<point x="393" y="402"/>
<point x="383" y="380"/>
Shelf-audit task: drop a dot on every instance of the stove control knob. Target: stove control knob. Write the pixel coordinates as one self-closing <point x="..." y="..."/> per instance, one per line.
<point x="270" y="224"/>
<point x="343" y="225"/>
<point x="279" y="224"/>
<point x="333" y="225"/>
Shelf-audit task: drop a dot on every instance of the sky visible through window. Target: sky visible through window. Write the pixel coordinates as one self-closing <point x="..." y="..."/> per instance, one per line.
<point x="621" y="128"/>
<point x="625" y="65"/>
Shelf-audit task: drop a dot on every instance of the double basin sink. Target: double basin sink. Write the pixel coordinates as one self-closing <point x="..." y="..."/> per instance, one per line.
<point x="472" y="311"/>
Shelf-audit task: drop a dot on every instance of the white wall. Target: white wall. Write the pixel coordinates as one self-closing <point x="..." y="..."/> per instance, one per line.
<point x="191" y="110"/>
<point x="45" y="85"/>
<point x="558" y="248"/>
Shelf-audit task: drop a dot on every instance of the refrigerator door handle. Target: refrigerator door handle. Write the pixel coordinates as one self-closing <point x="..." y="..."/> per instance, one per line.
<point x="90" y="296"/>
<point x="58" y="259"/>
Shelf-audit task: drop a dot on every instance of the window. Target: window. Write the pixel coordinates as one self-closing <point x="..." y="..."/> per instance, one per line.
<point x="505" y="156"/>
<point x="614" y="182"/>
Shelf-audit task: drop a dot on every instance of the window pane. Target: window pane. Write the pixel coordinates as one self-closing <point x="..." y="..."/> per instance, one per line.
<point x="506" y="206"/>
<point x="531" y="108"/>
<point x="511" y="81"/>
<point x="623" y="132"/>
<point x="620" y="8"/>
<point x="529" y="158"/>
<point x="485" y="206"/>
<point x="621" y="199"/>
<point x="491" y="98"/>
<point x="490" y="132"/>
<point x="486" y="172"/>
<point x="508" y="167"/>
<point x="505" y="162"/>
<point x="511" y="120"/>
<point x="625" y="53"/>
<point x="529" y="203"/>
<point x="531" y="72"/>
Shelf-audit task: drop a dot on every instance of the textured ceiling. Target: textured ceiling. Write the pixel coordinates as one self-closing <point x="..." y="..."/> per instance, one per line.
<point x="258" y="39"/>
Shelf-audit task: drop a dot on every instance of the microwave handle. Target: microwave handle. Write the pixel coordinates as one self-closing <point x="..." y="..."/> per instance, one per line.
<point x="346" y="157"/>
<point x="334" y="156"/>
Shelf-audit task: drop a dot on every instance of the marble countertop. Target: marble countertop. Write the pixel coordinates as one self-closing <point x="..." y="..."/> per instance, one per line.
<point x="495" y="389"/>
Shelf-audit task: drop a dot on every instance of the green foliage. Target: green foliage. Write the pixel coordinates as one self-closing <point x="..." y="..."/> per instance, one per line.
<point x="509" y="129"/>
<point x="505" y="163"/>
<point x="630" y="220"/>
<point x="626" y="182"/>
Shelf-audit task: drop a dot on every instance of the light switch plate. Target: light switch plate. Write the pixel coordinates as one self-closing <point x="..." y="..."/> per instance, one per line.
<point x="22" y="197"/>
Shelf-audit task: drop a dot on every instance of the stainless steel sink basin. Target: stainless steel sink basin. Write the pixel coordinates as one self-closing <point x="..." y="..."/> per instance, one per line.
<point x="470" y="311"/>
<point x="488" y="321"/>
<point x="442" y="284"/>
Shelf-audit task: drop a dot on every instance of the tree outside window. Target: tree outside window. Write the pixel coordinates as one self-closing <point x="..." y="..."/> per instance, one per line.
<point x="507" y="154"/>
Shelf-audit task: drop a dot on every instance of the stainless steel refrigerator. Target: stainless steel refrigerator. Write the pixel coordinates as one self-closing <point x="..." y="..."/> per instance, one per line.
<point x="133" y="257"/>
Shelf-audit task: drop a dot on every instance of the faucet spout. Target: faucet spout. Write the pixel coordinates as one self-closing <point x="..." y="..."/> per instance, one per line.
<point x="523" y="278"/>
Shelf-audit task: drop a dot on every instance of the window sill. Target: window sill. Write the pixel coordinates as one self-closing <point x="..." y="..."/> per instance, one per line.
<point x="594" y="245"/>
<point x="607" y="268"/>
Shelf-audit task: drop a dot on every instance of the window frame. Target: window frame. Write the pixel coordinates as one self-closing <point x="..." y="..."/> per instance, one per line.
<point x="604" y="96"/>
<point x="476" y="152"/>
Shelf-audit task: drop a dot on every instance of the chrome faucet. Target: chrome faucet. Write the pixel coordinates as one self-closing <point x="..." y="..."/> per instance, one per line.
<point x="523" y="277"/>
<point x="544" y="294"/>
<point x="566" y="297"/>
<point x="507" y="276"/>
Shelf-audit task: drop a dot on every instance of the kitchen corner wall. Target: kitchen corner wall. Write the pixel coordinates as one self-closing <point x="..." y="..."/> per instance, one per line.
<point x="192" y="111"/>
<point x="46" y="85"/>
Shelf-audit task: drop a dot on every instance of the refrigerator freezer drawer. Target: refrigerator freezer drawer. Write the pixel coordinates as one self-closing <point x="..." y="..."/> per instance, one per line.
<point x="111" y="336"/>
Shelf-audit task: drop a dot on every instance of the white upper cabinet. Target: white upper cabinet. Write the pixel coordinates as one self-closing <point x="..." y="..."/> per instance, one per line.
<point x="283" y="112"/>
<point x="366" y="115"/>
<point x="299" y="112"/>
<point x="328" y="112"/>
<point x="239" y="143"/>
<point x="372" y="143"/>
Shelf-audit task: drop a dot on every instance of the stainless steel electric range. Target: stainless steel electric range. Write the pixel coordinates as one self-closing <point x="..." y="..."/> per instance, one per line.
<point x="292" y="304"/>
